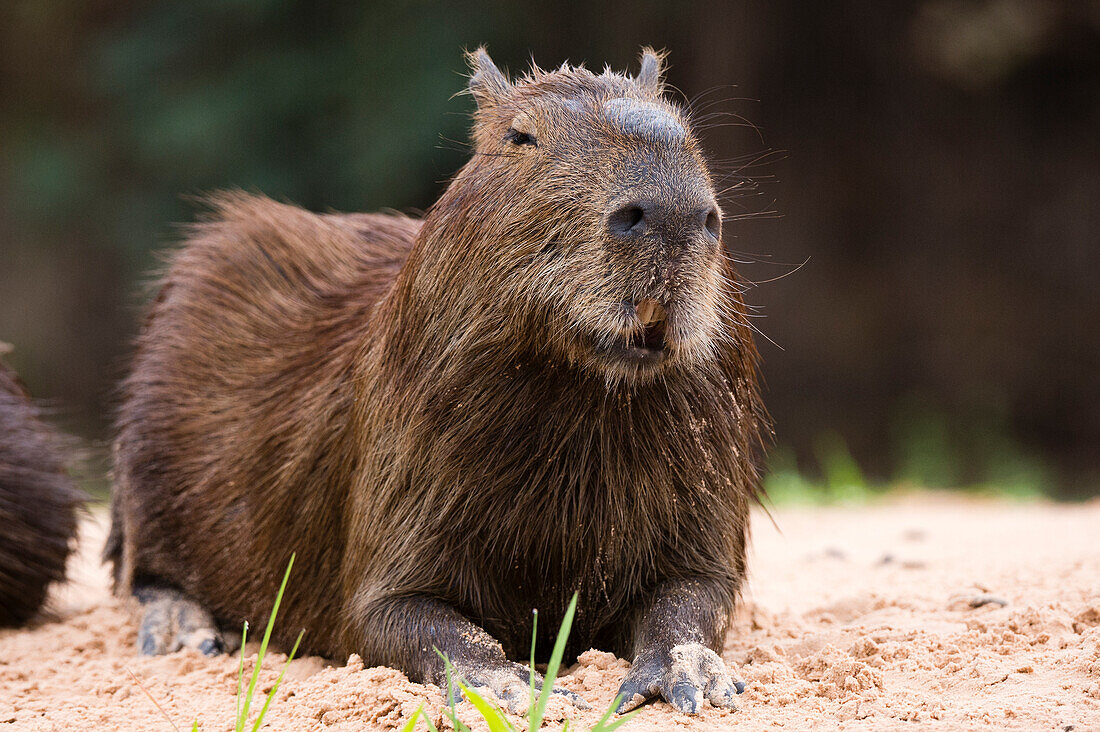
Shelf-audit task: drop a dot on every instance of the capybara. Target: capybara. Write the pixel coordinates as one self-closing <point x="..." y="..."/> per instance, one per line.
<point x="39" y="503"/>
<point x="546" y="386"/>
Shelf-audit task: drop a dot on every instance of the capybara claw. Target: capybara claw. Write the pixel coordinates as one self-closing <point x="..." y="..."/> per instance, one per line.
<point x="684" y="677"/>
<point x="642" y="682"/>
<point x="685" y="697"/>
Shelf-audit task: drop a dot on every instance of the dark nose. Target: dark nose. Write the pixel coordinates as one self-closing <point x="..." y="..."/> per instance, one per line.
<point x="667" y="221"/>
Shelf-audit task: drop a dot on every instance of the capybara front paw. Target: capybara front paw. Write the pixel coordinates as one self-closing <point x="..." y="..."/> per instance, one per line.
<point x="683" y="676"/>
<point x="510" y="683"/>
<point x="170" y="621"/>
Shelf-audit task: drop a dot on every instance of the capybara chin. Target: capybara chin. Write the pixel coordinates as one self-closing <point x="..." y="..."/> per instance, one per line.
<point x="545" y="387"/>
<point x="38" y="503"/>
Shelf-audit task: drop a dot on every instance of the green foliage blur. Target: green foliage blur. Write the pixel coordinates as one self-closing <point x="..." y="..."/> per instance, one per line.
<point x="319" y="103"/>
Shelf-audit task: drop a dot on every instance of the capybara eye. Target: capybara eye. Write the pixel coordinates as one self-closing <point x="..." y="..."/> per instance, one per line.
<point x="624" y="221"/>
<point x="516" y="137"/>
<point x="714" y="224"/>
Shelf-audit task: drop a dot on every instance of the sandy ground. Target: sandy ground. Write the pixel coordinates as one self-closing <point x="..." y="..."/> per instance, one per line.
<point x="923" y="612"/>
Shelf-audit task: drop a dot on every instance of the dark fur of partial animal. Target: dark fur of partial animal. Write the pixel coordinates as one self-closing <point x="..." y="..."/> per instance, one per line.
<point x="39" y="503"/>
<point x="454" y="421"/>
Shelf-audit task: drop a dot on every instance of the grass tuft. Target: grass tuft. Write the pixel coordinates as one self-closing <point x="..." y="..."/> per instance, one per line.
<point x="494" y="717"/>
<point x="250" y="694"/>
<point x="242" y="712"/>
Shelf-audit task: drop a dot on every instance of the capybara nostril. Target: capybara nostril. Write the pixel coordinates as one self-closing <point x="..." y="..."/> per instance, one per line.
<point x="627" y="221"/>
<point x="642" y="217"/>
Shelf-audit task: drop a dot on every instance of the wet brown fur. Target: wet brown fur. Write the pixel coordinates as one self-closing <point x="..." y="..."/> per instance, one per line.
<point x="38" y="503"/>
<point x="416" y="410"/>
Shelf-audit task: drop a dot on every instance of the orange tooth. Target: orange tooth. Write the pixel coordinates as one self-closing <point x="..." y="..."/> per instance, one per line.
<point x="649" y="311"/>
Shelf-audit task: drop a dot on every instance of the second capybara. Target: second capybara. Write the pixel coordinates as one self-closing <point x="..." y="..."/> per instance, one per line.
<point x="547" y="386"/>
<point x="39" y="503"/>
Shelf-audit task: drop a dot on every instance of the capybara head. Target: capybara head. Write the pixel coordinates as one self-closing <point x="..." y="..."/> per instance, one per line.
<point x="589" y="213"/>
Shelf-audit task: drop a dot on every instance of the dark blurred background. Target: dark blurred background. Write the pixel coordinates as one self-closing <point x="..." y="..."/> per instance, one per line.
<point x="934" y="163"/>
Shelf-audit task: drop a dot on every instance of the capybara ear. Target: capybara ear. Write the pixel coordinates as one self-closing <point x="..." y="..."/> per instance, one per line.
<point x="650" y="76"/>
<point x="487" y="83"/>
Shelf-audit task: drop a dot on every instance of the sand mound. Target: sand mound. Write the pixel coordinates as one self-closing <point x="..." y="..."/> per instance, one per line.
<point x="948" y="613"/>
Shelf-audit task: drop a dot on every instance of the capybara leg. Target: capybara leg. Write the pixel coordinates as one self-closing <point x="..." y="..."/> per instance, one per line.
<point x="674" y="650"/>
<point x="171" y="621"/>
<point x="411" y="633"/>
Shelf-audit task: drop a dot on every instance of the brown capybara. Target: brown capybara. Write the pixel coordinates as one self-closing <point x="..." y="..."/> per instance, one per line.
<point x="39" y="503"/>
<point x="545" y="387"/>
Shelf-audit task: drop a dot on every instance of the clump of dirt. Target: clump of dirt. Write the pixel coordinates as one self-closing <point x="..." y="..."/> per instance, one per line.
<point x="987" y="615"/>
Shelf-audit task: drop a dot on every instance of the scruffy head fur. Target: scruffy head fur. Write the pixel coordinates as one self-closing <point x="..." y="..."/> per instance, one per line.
<point x="38" y="503"/>
<point x="548" y="386"/>
<point x="562" y="162"/>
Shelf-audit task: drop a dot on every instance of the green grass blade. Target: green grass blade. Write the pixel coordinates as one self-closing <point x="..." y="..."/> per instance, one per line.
<point x="607" y="714"/>
<point x="612" y="726"/>
<point x="493" y="716"/>
<point x="601" y="725"/>
<point x="531" y="676"/>
<point x="240" y="673"/>
<point x="448" y="669"/>
<point x="411" y="724"/>
<point x="195" y="726"/>
<point x="535" y="715"/>
<point x="278" y="681"/>
<point x="605" y="726"/>
<point x="242" y="719"/>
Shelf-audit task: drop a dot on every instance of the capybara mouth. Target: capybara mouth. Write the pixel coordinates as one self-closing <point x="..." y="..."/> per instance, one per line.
<point x="647" y="345"/>
<point x="652" y="316"/>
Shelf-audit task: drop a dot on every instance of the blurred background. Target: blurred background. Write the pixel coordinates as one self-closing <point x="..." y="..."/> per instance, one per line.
<point x="935" y="165"/>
